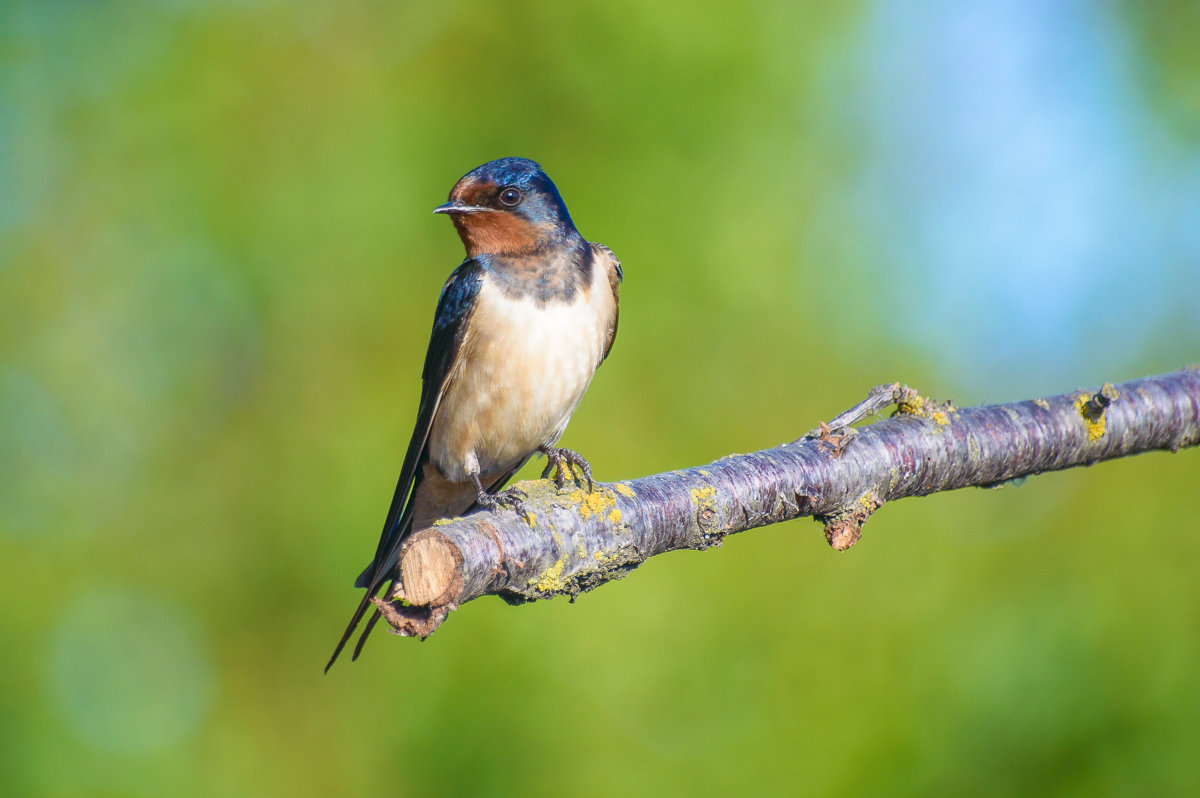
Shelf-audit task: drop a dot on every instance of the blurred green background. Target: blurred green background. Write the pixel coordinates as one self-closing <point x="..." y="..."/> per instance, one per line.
<point x="217" y="275"/>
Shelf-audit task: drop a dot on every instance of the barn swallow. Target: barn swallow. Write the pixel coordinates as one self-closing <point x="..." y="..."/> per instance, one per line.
<point x="520" y="328"/>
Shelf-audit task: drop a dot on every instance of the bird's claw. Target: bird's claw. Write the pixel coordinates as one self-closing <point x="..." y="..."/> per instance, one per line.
<point x="556" y="457"/>
<point x="512" y="498"/>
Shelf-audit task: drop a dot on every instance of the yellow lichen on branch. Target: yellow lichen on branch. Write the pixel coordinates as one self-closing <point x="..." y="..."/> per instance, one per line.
<point x="1091" y="409"/>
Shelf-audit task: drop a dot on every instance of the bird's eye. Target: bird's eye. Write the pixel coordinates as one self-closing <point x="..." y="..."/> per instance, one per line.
<point x="510" y="197"/>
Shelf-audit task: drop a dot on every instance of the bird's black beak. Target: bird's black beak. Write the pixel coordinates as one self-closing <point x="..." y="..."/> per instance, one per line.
<point x="457" y="206"/>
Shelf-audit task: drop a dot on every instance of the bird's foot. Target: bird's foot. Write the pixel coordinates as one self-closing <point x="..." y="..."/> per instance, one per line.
<point x="556" y="458"/>
<point x="513" y="497"/>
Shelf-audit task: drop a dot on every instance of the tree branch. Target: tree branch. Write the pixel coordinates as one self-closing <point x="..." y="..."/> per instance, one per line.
<point x="567" y="541"/>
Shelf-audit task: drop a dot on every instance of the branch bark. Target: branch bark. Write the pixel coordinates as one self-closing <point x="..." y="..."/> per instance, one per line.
<point x="566" y="541"/>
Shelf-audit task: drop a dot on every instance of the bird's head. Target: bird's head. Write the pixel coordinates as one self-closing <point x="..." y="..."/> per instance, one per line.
<point x="507" y="207"/>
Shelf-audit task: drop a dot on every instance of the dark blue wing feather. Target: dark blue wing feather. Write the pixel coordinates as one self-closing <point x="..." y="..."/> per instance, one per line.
<point x="450" y="322"/>
<point x="449" y="327"/>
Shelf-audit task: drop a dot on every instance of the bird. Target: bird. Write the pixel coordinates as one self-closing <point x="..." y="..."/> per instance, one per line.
<point x="520" y="328"/>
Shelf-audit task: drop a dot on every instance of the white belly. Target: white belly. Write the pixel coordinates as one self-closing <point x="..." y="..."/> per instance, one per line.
<point x="522" y="371"/>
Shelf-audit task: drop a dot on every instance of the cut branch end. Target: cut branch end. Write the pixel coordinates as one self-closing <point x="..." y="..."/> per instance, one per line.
<point x="429" y="569"/>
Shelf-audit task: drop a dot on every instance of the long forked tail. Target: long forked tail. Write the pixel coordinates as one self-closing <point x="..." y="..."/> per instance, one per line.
<point x="359" y="612"/>
<point x="366" y="633"/>
<point x="375" y="575"/>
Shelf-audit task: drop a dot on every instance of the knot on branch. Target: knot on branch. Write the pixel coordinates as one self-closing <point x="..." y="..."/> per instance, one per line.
<point x="844" y="528"/>
<point x="708" y="517"/>
<point x="1091" y="409"/>
<point x="831" y="443"/>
